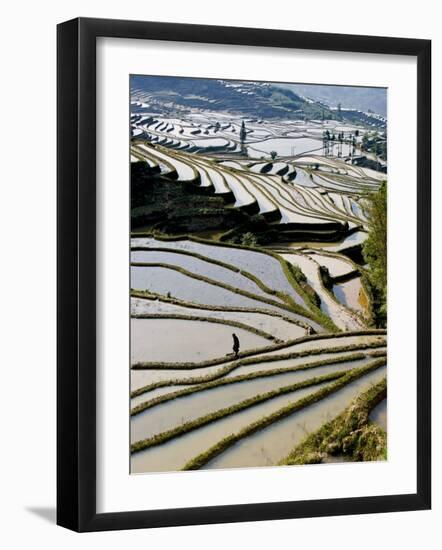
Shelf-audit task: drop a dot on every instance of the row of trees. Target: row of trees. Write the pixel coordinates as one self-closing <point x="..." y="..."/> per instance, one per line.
<point x="329" y="140"/>
<point x="375" y="143"/>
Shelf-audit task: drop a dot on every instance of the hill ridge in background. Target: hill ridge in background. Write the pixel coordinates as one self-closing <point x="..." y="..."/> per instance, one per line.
<point x="350" y="97"/>
<point x="169" y="94"/>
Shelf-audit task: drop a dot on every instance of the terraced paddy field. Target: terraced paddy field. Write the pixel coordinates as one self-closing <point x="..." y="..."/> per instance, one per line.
<point x="253" y="327"/>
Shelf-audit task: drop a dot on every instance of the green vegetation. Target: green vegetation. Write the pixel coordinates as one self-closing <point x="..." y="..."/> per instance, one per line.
<point x="301" y="281"/>
<point x="256" y="190"/>
<point x="314" y="313"/>
<point x="375" y="254"/>
<point x="297" y="273"/>
<point x="286" y="103"/>
<point x="262" y="353"/>
<point x="249" y="239"/>
<point x="288" y="304"/>
<point x="369" y="349"/>
<point x="147" y="295"/>
<point x="214" y="320"/>
<point x="218" y="379"/>
<point x="372" y="142"/>
<point x="187" y="427"/>
<point x="350" y="435"/>
<point x="327" y="282"/>
<point x="212" y="261"/>
<point x="215" y="282"/>
<point x="221" y="446"/>
<point x="309" y="295"/>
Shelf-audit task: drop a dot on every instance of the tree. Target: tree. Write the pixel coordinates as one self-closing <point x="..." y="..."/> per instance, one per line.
<point x="273" y="154"/>
<point x="243" y="133"/>
<point x="326" y="141"/>
<point x="375" y="252"/>
<point x="365" y="141"/>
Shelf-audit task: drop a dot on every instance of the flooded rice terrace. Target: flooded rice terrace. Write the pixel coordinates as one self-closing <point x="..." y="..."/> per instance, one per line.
<point x="251" y="320"/>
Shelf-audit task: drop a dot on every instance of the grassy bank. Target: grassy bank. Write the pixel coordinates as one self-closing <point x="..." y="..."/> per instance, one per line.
<point x="350" y="435"/>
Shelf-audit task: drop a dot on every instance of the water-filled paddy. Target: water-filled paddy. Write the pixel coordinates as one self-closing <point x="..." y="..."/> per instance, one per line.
<point x="350" y="293"/>
<point x="340" y="340"/>
<point x="267" y="447"/>
<point x="339" y="315"/>
<point x="200" y="267"/>
<point x="280" y="328"/>
<point x="141" y="378"/>
<point x="353" y="239"/>
<point x="323" y="202"/>
<point x="303" y="178"/>
<point x="339" y="358"/>
<point x="336" y="266"/>
<point x="173" y="455"/>
<point x="284" y="146"/>
<point x="170" y="414"/>
<point x="178" y="340"/>
<point x="263" y="266"/>
<point x="172" y="283"/>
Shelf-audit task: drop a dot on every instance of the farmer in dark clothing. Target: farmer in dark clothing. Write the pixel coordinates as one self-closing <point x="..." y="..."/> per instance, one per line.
<point x="235" y="344"/>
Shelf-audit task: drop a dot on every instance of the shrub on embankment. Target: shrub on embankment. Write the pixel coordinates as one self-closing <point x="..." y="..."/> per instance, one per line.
<point x="351" y="435"/>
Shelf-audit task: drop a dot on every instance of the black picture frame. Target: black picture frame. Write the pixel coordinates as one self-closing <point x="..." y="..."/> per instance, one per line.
<point x="76" y="274"/>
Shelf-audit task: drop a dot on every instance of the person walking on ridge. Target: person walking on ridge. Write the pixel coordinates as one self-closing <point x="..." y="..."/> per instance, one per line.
<point x="235" y="344"/>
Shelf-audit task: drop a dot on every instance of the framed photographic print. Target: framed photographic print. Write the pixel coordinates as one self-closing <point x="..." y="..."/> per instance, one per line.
<point x="243" y="274"/>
